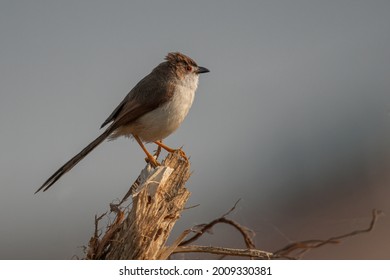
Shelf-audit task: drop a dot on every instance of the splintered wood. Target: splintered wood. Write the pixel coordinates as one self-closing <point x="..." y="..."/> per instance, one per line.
<point x="158" y="197"/>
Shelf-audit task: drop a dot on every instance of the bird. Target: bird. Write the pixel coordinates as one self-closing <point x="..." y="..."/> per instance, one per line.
<point x="150" y="112"/>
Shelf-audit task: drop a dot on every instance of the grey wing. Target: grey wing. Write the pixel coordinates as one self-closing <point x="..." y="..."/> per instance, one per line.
<point x="137" y="107"/>
<point x="115" y="113"/>
<point x="138" y="102"/>
<point x="131" y="98"/>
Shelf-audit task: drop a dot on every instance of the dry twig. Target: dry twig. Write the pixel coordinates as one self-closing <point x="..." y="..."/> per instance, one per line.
<point x="304" y="246"/>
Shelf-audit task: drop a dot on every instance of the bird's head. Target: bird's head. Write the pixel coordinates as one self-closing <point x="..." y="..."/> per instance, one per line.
<point x="183" y="65"/>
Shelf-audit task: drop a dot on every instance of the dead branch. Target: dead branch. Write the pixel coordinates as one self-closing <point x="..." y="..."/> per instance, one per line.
<point x="252" y="253"/>
<point x="245" y="232"/>
<point x="201" y="229"/>
<point x="158" y="198"/>
<point x="284" y="253"/>
<point x="304" y="246"/>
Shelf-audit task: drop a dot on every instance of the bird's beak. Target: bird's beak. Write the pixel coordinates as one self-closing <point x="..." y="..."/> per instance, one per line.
<point x="202" y="70"/>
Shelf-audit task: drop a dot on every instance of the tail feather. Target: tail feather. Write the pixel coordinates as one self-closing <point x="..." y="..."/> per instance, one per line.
<point x="73" y="161"/>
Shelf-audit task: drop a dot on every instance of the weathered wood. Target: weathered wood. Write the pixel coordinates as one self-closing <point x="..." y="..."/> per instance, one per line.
<point x="159" y="196"/>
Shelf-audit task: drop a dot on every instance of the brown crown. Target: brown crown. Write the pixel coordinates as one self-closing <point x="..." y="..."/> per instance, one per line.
<point x="177" y="58"/>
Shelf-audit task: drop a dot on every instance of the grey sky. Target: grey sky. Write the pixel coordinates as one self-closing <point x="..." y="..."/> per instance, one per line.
<point x="293" y="117"/>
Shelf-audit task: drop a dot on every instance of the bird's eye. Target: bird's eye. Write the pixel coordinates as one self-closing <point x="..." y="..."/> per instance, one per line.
<point x="189" y="68"/>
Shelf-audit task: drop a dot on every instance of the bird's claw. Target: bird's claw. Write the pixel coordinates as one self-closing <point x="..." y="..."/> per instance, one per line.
<point x="152" y="161"/>
<point x="182" y="154"/>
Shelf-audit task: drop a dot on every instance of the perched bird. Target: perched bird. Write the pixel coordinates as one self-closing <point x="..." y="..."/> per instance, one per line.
<point x="150" y="112"/>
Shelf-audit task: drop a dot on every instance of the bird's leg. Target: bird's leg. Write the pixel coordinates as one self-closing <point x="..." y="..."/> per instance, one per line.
<point x="170" y="150"/>
<point x="150" y="158"/>
<point x="157" y="152"/>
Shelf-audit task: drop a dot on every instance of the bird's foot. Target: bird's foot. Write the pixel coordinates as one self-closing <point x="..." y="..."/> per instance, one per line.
<point x="181" y="153"/>
<point x="152" y="161"/>
<point x="157" y="152"/>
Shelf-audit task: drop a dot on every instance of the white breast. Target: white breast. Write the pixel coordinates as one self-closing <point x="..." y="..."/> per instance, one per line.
<point x="164" y="120"/>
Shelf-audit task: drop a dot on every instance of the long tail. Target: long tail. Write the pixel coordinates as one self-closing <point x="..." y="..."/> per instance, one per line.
<point x="73" y="161"/>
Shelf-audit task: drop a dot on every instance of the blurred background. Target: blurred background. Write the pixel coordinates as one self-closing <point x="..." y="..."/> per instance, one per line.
<point x="293" y="118"/>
